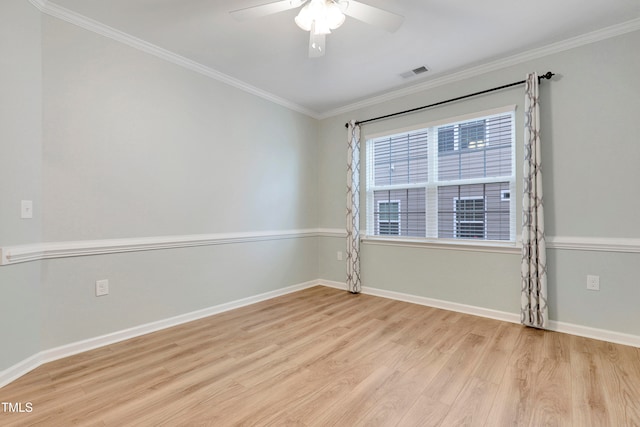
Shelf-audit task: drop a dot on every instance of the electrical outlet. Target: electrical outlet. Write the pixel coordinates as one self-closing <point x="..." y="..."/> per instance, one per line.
<point x="339" y="256"/>
<point x="593" y="283"/>
<point x="102" y="287"/>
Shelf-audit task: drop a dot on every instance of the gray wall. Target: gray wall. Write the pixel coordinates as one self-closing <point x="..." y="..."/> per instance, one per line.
<point x="144" y="147"/>
<point x="135" y="146"/>
<point x="111" y="142"/>
<point x="20" y="175"/>
<point x="590" y="158"/>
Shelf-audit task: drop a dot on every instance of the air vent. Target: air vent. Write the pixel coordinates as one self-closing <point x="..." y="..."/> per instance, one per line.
<point x="414" y="72"/>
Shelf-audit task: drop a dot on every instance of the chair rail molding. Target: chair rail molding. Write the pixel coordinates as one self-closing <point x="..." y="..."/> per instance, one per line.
<point x="48" y="250"/>
<point x="598" y="244"/>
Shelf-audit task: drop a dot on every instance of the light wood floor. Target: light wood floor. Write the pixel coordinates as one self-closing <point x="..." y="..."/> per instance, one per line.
<point x="324" y="357"/>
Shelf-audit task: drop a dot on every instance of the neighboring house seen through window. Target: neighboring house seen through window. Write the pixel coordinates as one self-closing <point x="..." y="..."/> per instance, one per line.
<point x="389" y="218"/>
<point x="450" y="181"/>
<point x="469" y="217"/>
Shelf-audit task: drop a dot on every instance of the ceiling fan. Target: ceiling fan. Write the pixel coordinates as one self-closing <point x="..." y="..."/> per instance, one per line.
<point x="319" y="17"/>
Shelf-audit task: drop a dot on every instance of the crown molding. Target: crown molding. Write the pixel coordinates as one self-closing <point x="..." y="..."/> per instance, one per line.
<point x="56" y="11"/>
<point x="52" y="9"/>
<point x="574" y="42"/>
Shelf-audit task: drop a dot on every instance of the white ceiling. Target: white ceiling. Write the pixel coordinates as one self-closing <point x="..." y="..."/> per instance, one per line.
<point x="361" y="61"/>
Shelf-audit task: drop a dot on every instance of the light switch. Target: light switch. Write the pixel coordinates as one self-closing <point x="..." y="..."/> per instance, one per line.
<point x="102" y="287"/>
<point x="26" y="209"/>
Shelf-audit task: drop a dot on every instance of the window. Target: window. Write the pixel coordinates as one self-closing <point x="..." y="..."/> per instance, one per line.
<point x="389" y="217"/>
<point x="447" y="181"/>
<point x="469" y="218"/>
<point x="462" y="136"/>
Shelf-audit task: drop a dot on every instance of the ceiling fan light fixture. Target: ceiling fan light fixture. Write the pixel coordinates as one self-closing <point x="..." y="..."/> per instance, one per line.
<point x="326" y="15"/>
<point x="335" y="17"/>
<point x="304" y="18"/>
<point x="319" y="17"/>
<point x="316" y="43"/>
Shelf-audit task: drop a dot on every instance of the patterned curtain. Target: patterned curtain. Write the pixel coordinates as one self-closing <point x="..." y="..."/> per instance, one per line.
<point x="533" y="311"/>
<point x="353" y="208"/>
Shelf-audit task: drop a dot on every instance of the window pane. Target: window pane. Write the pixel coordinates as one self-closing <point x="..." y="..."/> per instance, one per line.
<point x="470" y="209"/>
<point x="389" y="228"/>
<point x="389" y="211"/>
<point x="400" y="212"/>
<point x="467" y="230"/>
<point x="477" y="149"/>
<point x="401" y="159"/>
<point x="446" y="139"/>
<point x="472" y="135"/>
<point x="475" y="211"/>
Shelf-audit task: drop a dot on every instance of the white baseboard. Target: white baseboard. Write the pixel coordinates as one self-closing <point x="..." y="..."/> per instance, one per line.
<point x="431" y="302"/>
<point x="563" y="327"/>
<point x="12" y="373"/>
<point x="445" y="305"/>
<point x="595" y="333"/>
<point x="19" y="369"/>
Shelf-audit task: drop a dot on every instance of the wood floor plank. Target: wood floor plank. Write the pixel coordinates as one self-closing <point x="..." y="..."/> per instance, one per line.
<point x="621" y="367"/>
<point x="393" y="400"/>
<point x="589" y="405"/>
<point x="348" y="410"/>
<point x="310" y="407"/>
<point x="552" y="392"/>
<point x="514" y="402"/>
<point x="491" y="365"/>
<point x="325" y="357"/>
<point x="425" y="412"/>
<point x="473" y="404"/>
<point x="456" y="372"/>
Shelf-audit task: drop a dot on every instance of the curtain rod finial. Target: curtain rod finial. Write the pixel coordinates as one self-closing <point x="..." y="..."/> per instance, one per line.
<point x="547" y="75"/>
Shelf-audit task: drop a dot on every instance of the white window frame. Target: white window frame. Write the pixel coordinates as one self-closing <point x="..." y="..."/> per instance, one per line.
<point x="397" y="221"/>
<point x="431" y="186"/>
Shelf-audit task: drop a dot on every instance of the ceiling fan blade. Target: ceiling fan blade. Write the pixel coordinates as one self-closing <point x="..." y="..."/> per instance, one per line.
<point x="316" y="44"/>
<point x="371" y="15"/>
<point x="265" y="9"/>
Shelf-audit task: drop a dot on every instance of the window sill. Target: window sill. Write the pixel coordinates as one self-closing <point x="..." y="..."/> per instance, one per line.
<point x="492" y="246"/>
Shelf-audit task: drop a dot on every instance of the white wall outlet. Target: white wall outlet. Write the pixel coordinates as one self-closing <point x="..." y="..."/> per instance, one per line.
<point x="593" y="283"/>
<point x="102" y="287"/>
<point x="339" y="255"/>
<point x="26" y="209"/>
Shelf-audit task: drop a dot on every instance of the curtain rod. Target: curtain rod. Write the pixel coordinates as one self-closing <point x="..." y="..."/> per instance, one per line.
<point x="547" y="75"/>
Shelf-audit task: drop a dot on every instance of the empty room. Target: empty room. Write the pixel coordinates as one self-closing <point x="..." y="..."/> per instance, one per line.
<point x="319" y="213"/>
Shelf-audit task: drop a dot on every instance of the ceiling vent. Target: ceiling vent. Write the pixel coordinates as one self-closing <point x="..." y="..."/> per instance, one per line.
<point x="414" y="72"/>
